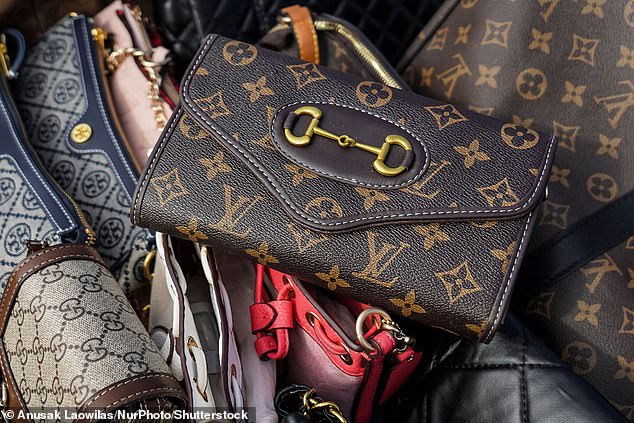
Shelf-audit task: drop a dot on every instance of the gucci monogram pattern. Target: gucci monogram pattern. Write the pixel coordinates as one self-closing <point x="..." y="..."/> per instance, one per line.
<point x="23" y="218"/>
<point x="564" y="67"/>
<point x="377" y="265"/>
<point x="51" y="99"/>
<point x="72" y="332"/>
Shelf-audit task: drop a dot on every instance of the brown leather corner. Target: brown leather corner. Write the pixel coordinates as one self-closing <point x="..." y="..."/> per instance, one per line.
<point x="304" y="29"/>
<point x="35" y="262"/>
<point x="15" y="402"/>
<point x="134" y="389"/>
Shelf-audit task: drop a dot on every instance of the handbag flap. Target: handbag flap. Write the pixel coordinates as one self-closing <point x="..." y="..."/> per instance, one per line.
<point x="379" y="155"/>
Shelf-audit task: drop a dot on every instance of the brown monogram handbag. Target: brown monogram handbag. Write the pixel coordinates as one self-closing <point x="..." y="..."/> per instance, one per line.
<point x="564" y="67"/>
<point x="388" y="197"/>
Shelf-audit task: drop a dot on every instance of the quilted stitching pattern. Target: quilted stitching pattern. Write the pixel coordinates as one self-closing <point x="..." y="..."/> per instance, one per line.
<point x="515" y="379"/>
<point x="391" y="25"/>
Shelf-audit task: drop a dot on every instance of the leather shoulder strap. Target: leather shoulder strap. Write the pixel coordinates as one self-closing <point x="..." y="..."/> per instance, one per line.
<point x="305" y="33"/>
<point x="572" y="248"/>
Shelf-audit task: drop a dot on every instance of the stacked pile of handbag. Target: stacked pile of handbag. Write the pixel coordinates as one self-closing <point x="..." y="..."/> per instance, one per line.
<point x="292" y="234"/>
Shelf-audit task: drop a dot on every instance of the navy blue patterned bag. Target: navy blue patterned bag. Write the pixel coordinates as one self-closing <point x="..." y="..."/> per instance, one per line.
<point x="34" y="211"/>
<point x="64" y="101"/>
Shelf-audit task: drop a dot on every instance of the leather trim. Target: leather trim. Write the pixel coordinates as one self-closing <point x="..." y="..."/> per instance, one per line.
<point x="16" y="402"/>
<point x="305" y="34"/>
<point x="134" y="389"/>
<point x="530" y="198"/>
<point x="504" y="294"/>
<point x="572" y="248"/>
<point x="18" y="149"/>
<point x="139" y="191"/>
<point x="315" y="156"/>
<point x="35" y="262"/>
<point x="99" y="110"/>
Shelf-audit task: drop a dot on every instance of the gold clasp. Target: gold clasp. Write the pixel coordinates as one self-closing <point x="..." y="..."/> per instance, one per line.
<point x="349" y="142"/>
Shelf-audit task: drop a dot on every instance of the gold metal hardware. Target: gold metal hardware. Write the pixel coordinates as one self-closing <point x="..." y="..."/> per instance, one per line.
<point x="386" y="323"/>
<point x="148" y="265"/>
<point x="99" y="36"/>
<point x="90" y="234"/>
<point x="5" y="61"/>
<point x="357" y="45"/>
<point x="150" y="68"/>
<point x="311" y="403"/>
<point x="348" y="142"/>
<point x="81" y="133"/>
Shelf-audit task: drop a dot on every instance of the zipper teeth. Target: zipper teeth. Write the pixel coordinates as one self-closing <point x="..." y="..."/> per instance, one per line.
<point x="362" y="51"/>
<point x="92" y="238"/>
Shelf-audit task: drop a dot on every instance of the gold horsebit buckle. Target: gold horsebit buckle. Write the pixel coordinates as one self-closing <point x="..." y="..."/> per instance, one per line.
<point x="347" y="142"/>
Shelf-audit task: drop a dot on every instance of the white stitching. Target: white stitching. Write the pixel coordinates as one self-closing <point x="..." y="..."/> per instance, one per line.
<point x="125" y="382"/>
<point x="185" y="97"/>
<point x="402" y="184"/>
<point x="164" y="137"/>
<point x="510" y="278"/>
<point x="102" y="110"/>
<point x="37" y="174"/>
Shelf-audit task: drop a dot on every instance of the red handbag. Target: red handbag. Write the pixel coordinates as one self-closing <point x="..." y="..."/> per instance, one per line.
<point x="311" y="332"/>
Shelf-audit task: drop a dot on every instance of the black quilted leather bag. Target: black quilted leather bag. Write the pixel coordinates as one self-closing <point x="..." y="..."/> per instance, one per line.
<point x="390" y="24"/>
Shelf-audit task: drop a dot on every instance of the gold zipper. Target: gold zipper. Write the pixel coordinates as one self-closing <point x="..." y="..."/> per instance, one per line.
<point x="90" y="233"/>
<point x="359" y="47"/>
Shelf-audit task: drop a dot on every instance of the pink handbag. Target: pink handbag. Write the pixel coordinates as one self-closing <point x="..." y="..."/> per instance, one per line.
<point x="312" y="331"/>
<point x="143" y="99"/>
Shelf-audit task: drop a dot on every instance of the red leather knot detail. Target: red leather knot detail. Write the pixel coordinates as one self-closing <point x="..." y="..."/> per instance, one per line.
<point x="273" y="315"/>
<point x="271" y="320"/>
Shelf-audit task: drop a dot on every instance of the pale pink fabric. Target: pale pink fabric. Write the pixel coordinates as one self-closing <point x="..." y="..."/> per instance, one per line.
<point x="128" y="85"/>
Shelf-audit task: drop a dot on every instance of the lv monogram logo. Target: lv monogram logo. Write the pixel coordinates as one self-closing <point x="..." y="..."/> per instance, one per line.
<point x="450" y="77"/>
<point x="305" y="239"/>
<point x="236" y="208"/>
<point x="381" y="257"/>
<point x="418" y="189"/>
<point x="550" y="8"/>
<point x="599" y="267"/>
<point x="618" y="103"/>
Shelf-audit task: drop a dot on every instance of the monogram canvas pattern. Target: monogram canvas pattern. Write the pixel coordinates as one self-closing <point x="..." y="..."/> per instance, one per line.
<point x="23" y="218"/>
<point x="418" y="271"/>
<point x="52" y="98"/>
<point x="542" y="72"/>
<point x="71" y="332"/>
<point x="566" y="67"/>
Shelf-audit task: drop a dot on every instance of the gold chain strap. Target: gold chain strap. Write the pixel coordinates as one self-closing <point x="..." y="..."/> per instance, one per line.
<point x="116" y="57"/>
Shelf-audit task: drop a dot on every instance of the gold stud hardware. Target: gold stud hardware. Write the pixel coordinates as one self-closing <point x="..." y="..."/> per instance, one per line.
<point x="81" y="133"/>
<point x="346" y="141"/>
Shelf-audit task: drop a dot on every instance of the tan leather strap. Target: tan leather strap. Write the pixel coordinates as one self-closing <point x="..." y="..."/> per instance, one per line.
<point x="35" y="262"/>
<point x="304" y="29"/>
